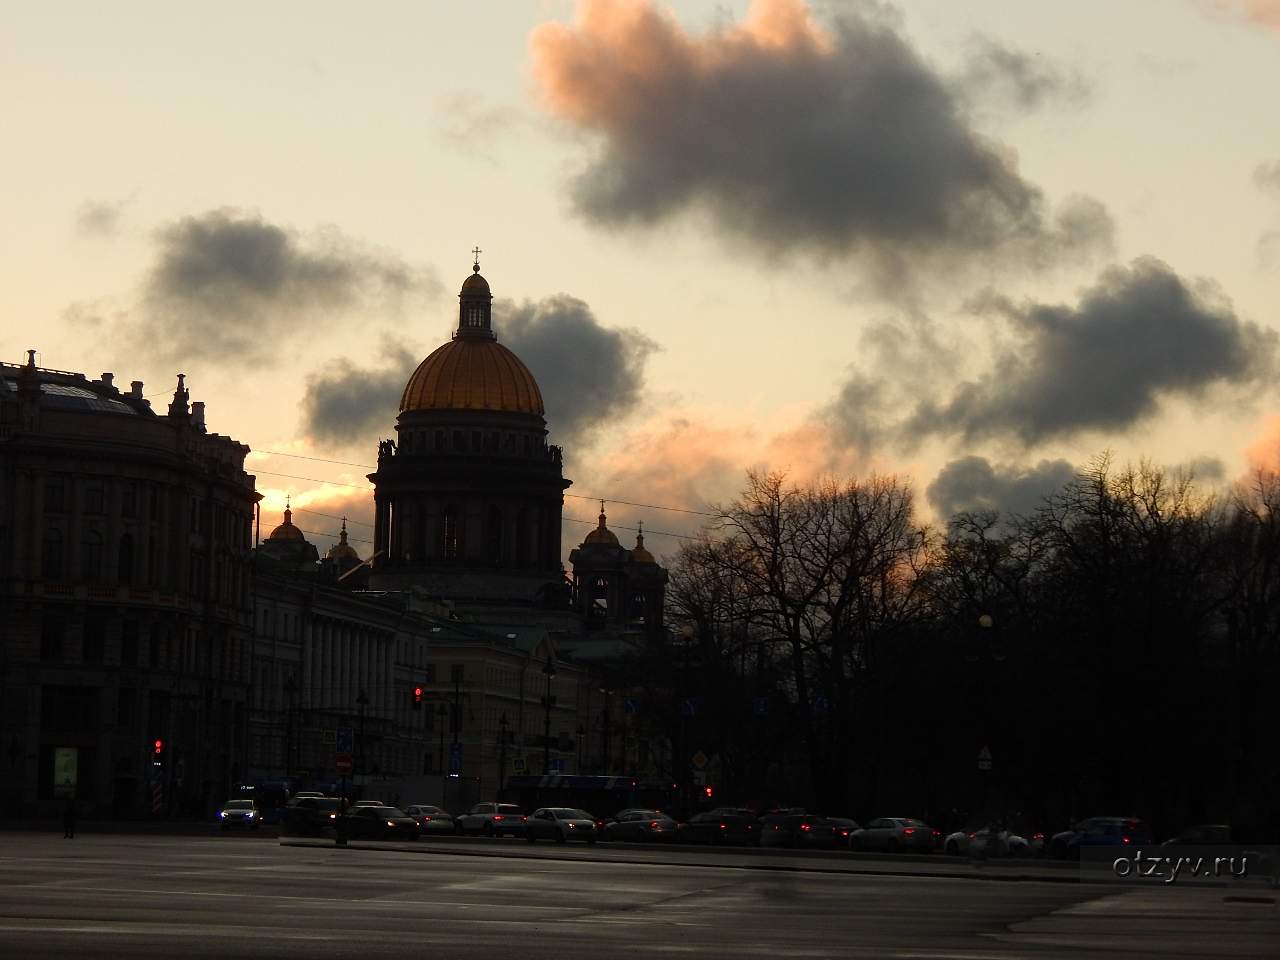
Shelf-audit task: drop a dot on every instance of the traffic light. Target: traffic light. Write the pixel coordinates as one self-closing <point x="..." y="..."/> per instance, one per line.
<point x="707" y="791"/>
<point x="417" y="698"/>
<point x="157" y="752"/>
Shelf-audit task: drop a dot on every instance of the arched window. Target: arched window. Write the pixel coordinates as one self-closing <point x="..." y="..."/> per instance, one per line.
<point x="449" y="549"/>
<point x="124" y="559"/>
<point x="493" y="536"/>
<point x="91" y="555"/>
<point x="51" y="563"/>
<point x="600" y="597"/>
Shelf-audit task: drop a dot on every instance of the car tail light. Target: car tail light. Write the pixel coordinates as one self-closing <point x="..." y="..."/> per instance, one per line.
<point x="724" y="826"/>
<point x="973" y="836"/>
<point x="1126" y="840"/>
<point x="805" y="827"/>
<point x="497" y="816"/>
<point x="653" y="824"/>
<point x="425" y="817"/>
<point x="908" y="831"/>
<point x="1037" y="836"/>
<point x="599" y="824"/>
<point x="937" y="833"/>
<point x="524" y="819"/>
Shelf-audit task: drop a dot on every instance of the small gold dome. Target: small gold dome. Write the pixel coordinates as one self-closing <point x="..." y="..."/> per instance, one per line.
<point x="638" y="553"/>
<point x="601" y="534"/>
<point x="286" y="530"/>
<point x="472" y="374"/>
<point x="475" y="286"/>
<point x="342" y="550"/>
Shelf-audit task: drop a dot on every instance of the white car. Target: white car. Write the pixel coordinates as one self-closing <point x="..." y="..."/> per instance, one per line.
<point x="562" y="824"/>
<point x="492" y="819"/>
<point x="430" y="819"/>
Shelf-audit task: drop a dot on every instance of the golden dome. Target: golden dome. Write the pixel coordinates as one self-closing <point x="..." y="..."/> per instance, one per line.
<point x="286" y="530"/>
<point x="472" y="374"/>
<point x="638" y="553"/>
<point x="342" y="550"/>
<point x="601" y="534"/>
<point x="475" y="286"/>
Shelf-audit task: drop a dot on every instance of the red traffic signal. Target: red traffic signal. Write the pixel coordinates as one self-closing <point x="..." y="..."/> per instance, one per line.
<point x="707" y="791"/>
<point x="158" y="747"/>
<point x="417" y="698"/>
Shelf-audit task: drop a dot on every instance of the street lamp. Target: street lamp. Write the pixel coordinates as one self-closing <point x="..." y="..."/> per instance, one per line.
<point x="502" y="753"/>
<point x="548" y="671"/>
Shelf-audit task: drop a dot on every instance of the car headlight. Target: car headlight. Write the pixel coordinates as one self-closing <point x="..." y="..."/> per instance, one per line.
<point x="222" y="814"/>
<point x="573" y="826"/>
<point x="391" y="823"/>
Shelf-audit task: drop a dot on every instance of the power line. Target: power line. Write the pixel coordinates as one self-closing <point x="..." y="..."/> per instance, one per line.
<point x="331" y="516"/>
<point x="352" y="463"/>
<point x="333" y="536"/>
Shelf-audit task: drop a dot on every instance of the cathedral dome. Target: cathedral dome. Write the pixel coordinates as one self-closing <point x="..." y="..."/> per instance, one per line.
<point x="472" y="374"/>
<point x="601" y="534"/>
<point x="473" y="371"/>
<point x="342" y="550"/>
<point x="286" y="530"/>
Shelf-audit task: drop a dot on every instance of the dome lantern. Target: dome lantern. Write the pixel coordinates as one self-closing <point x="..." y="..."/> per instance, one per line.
<point x="475" y="304"/>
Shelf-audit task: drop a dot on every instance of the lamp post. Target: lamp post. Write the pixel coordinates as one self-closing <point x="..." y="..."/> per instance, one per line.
<point x="502" y="753"/>
<point x="548" y="671"/>
<point x="441" y="712"/>
<point x="362" y="700"/>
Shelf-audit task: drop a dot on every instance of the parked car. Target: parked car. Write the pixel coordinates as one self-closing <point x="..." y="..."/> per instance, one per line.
<point x="312" y="816"/>
<point x="493" y="820"/>
<point x="805" y="831"/>
<point x="1216" y="834"/>
<point x="368" y="803"/>
<point x="301" y="794"/>
<point x="430" y="819"/>
<point x="1101" y="831"/>
<point x="639" y="826"/>
<point x="990" y="841"/>
<point x="380" y="823"/>
<point x="845" y="827"/>
<point x="895" y="835"/>
<point x="240" y="813"/>
<point x="713" y="827"/>
<point x="561" y="824"/>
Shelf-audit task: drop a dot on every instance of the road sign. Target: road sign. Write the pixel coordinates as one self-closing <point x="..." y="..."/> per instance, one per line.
<point x="699" y="760"/>
<point x="517" y="765"/>
<point x="699" y="778"/>
<point x="328" y="737"/>
<point x="343" y="764"/>
<point x="557" y="765"/>
<point x="344" y="750"/>
<point x="65" y="766"/>
<point x="984" y="758"/>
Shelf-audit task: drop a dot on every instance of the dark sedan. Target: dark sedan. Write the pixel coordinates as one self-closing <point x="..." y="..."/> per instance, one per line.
<point x="312" y="816"/>
<point x="720" y="828"/>
<point x="639" y="826"/>
<point x="803" y="831"/>
<point x="380" y="823"/>
<point x="431" y="819"/>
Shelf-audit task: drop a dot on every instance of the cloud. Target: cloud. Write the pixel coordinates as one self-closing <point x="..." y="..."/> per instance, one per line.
<point x="1264" y="12"/>
<point x="994" y="72"/>
<point x="795" y="138"/>
<point x="1267" y="176"/>
<point x="974" y="483"/>
<point x="346" y="405"/>
<point x="590" y="375"/>
<point x="1139" y="334"/>
<point x="100" y="219"/>
<point x="228" y="284"/>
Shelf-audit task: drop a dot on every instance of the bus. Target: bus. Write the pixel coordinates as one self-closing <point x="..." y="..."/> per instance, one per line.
<point x="600" y="796"/>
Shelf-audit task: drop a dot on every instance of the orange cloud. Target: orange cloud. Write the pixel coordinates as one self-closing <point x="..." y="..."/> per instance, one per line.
<point x="1265" y="12"/>
<point x="1264" y="453"/>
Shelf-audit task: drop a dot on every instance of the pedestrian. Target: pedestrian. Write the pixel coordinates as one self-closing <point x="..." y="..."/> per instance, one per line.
<point x="69" y="820"/>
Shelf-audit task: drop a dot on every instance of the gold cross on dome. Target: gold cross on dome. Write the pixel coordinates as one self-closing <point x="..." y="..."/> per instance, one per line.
<point x="475" y="252"/>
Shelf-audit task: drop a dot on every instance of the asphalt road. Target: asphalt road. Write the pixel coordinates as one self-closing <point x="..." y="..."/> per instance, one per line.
<point x="248" y="896"/>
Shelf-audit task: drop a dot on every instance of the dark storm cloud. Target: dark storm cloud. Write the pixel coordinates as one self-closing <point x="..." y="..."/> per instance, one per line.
<point x="1140" y="334"/>
<point x="229" y="284"/>
<point x="590" y="375"/>
<point x="974" y="483"/>
<point x="1027" y="81"/>
<point x="1267" y="176"/>
<point x="800" y="139"/>
<point x="345" y="404"/>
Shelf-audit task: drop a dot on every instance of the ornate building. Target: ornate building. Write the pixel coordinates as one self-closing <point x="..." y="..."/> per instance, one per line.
<point x="469" y="495"/>
<point x="125" y="595"/>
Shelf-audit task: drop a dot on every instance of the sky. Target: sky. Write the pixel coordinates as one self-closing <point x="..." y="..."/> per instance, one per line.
<point x="972" y="244"/>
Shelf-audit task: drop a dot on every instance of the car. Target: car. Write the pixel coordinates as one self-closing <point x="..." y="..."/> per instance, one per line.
<point x="240" y="813"/>
<point x="368" y="803"/>
<point x="493" y="820"/>
<point x="1216" y="834"/>
<point x="312" y="816"/>
<point x="988" y="841"/>
<point x="639" y="826"/>
<point x="561" y="824"/>
<point x="1100" y="832"/>
<point x="806" y="831"/>
<point x="430" y="819"/>
<point x="713" y="827"/>
<point x="379" y="823"/>
<point x="895" y="835"/>
<point x="301" y="794"/>
<point x="844" y="827"/>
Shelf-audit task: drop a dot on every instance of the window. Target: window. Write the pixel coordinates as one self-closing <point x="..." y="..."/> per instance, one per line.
<point x="54" y="495"/>
<point x="439" y="441"/>
<point x="124" y="559"/>
<point x="494" y="535"/>
<point x="91" y="555"/>
<point x="52" y="630"/>
<point x="153" y="651"/>
<point x="459" y="441"/>
<point x="449" y="530"/>
<point x="51" y="558"/>
<point x="95" y="631"/>
<point x="457" y="673"/>
<point x="129" y="501"/>
<point x="126" y="707"/>
<point x="476" y="443"/>
<point x="94" y="499"/>
<point x="429" y="673"/>
<point x="129" y="644"/>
